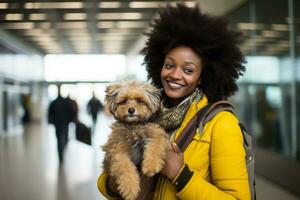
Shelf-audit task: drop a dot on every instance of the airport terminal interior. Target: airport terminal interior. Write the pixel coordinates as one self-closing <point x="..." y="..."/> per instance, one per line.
<point x="83" y="46"/>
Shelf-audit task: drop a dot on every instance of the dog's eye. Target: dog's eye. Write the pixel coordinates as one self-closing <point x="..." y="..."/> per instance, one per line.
<point x="122" y="101"/>
<point x="139" y="100"/>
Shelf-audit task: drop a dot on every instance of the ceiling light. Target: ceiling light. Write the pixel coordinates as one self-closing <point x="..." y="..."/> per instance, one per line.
<point x="3" y="5"/>
<point x="120" y="16"/>
<point x="53" y="48"/>
<point x="108" y="37"/>
<point x="43" y="25"/>
<point x="280" y="27"/>
<point x="187" y="3"/>
<point x="80" y="38"/>
<point x="83" y="49"/>
<point x="53" y="5"/>
<point x="109" y="5"/>
<point x="37" y="16"/>
<point x="42" y="38"/>
<point x="18" y="25"/>
<point x="34" y="32"/>
<point x="283" y="44"/>
<point x="112" y="44"/>
<point x="259" y="39"/>
<point x="150" y="4"/>
<point x="79" y="32"/>
<point x="71" y="25"/>
<point x="75" y="16"/>
<point x="116" y="37"/>
<point x="119" y="33"/>
<point x="82" y="45"/>
<point x="271" y="33"/>
<point x="14" y="16"/>
<point x="251" y="26"/>
<point x="106" y="24"/>
<point x="130" y="24"/>
<point x="117" y="30"/>
<point x="190" y="3"/>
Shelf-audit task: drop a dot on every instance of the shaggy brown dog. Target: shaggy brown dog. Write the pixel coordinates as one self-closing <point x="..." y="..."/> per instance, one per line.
<point x="134" y="142"/>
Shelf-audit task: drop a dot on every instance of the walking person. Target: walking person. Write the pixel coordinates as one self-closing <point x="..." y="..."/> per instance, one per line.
<point x="60" y="115"/>
<point x="94" y="106"/>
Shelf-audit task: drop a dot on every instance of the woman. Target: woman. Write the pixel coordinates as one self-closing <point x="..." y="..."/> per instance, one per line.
<point x="195" y="59"/>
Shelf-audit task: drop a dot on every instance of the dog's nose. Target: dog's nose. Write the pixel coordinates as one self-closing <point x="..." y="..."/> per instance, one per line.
<point x="131" y="110"/>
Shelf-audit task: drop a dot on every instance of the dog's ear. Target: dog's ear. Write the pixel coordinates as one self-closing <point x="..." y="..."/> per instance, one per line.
<point x="112" y="92"/>
<point x="154" y="95"/>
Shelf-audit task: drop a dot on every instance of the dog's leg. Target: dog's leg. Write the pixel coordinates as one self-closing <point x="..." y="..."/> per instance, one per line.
<point x="155" y="150"/>
<point x="125" y="173"/>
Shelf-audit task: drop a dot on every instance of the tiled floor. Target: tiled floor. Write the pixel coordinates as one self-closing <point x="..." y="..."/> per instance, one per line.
<point x="29" y="169"/>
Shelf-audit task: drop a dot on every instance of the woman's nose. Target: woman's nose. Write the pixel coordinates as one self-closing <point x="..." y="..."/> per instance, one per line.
<point x="175" y="74"/>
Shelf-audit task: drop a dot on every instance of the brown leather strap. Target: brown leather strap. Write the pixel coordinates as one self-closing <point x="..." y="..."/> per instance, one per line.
<point x="189" y="131"/>
<point x="204" y="115"/>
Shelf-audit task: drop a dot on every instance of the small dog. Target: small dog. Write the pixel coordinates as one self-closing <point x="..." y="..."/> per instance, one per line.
<point x="135" y="143"/>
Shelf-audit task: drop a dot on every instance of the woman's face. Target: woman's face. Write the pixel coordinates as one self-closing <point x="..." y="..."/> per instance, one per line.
<point x="180" y="73"/>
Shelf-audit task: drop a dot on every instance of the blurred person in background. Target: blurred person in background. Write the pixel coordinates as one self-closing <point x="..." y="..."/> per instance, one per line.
<point x="26" y="104"/>
<point x="60" y="114"/>
<point x="94" y="106"/>
<point x="74" y="109"/>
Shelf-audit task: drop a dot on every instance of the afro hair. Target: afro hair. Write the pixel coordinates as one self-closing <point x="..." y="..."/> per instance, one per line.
<point x="209" y="36"/>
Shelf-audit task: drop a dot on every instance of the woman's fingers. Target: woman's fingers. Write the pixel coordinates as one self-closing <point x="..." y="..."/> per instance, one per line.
<point x="175" y="148"/>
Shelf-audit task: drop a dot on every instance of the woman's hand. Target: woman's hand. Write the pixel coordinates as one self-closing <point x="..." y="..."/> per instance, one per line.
<point x="174" y="162"/>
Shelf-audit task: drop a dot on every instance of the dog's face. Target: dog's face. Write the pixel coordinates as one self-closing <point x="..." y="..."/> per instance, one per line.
<point x="132" y="102"/>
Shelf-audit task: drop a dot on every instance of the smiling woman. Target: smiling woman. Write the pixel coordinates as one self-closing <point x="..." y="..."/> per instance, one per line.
<point x="84" y="67"/>
<point x="195" y="60"/>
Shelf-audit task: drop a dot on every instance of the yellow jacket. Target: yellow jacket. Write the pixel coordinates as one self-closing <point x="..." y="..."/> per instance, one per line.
<point x="216" y="158"/>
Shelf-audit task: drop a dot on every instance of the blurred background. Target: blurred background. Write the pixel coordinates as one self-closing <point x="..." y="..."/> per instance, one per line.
<point x="85" y="45"/>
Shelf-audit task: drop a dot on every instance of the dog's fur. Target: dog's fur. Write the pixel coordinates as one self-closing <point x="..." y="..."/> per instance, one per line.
<point x="134" y="142"/>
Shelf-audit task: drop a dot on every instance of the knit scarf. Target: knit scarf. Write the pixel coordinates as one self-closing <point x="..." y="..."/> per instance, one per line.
<point x="171" y="118"/>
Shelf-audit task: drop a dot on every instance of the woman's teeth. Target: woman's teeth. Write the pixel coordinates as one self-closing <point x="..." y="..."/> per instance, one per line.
<point x="174" y="85"/>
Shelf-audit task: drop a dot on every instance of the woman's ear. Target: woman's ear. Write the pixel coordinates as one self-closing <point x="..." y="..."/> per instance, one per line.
<point x="199" y="82"/>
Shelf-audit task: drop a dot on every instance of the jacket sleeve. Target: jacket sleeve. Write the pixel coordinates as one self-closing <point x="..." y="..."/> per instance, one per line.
<point x="229" y="178"/>
<point x="101" y="184"/>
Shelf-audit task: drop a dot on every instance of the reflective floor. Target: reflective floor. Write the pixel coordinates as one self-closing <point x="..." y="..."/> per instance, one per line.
<point x="29" y="168"/>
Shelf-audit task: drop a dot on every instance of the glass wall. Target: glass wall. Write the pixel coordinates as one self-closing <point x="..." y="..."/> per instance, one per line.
<point x="267" y="99"/>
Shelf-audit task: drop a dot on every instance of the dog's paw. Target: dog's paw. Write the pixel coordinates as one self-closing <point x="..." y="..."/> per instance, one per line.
<point x="129" y="186"/>
<point x="151" y="168"/>
<point x="130" y="196"/>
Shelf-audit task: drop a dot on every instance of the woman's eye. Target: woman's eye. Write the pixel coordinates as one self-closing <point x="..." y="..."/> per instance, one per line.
<point x="188" y="71"/>
<point x="168" y="65"/>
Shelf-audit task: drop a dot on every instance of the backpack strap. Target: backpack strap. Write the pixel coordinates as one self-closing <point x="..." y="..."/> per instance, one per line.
<point x="189" y="131"/>
<point x="204" y="115"/>
<point x="214" y="109"/>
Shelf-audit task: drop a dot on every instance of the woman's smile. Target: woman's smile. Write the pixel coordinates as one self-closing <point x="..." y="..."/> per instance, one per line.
<point x="174" y="85"/>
